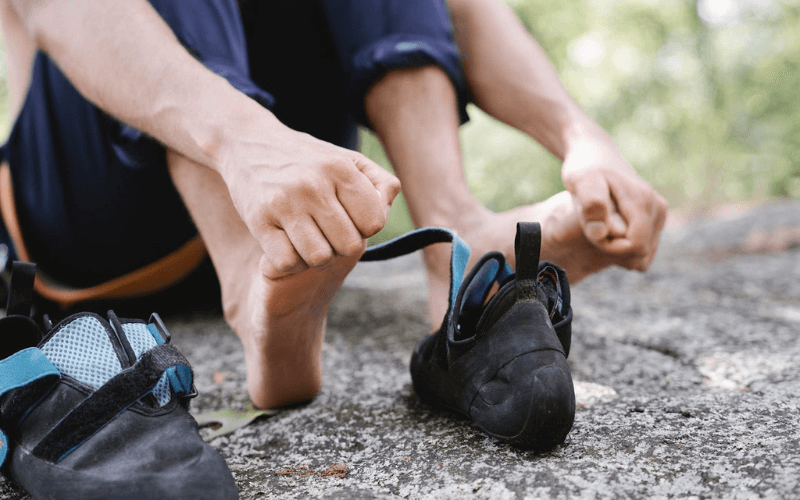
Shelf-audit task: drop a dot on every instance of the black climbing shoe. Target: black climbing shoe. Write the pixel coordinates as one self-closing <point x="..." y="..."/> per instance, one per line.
<point x="502" y="364"/>
<point x="98" y="409"/>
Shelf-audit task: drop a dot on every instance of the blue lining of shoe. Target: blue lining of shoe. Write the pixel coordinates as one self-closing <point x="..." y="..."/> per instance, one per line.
<point x="458" y="264"/>
<point x="476" y="290"/>
<point x="491" y="271"/>
<point x="504" y="273"/>
<point x="416" y="240"/>
<point x="19" y="370"/>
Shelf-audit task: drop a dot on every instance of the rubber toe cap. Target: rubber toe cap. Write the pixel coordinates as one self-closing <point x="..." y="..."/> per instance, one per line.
<point x="529" y="403"/>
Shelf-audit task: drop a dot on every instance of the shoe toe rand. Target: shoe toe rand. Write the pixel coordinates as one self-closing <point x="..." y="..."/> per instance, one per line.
<point x="530" y="402"/>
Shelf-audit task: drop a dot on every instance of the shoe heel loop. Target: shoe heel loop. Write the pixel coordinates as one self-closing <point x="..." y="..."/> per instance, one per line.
<point x="20" y="290"/>
<point x="527" y="244"/>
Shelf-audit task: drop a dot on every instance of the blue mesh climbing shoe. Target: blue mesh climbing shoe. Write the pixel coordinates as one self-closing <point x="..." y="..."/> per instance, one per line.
<point x="97" y="408"/>
<point x="501" y="362"/>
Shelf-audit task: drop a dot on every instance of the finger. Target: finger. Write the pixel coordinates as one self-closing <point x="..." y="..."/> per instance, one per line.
<point x="617" y="227"/>
<point x="280" y="258"/>
<point x="620" y="247"/>
<point x="362" y="201"/>
<point x="308" y="241"/>
<point x="660" y="207"/>
<point x="637" y="205"/>
<point x="634" y="262"/>
<point x="387" y="184"/>
<point x="339" y="230"/>
<point x="593" y="200"/>
<point x="623" y="251"/>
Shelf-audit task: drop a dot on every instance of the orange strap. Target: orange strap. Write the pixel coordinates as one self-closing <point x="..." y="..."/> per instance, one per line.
<point x="152" y="278"/>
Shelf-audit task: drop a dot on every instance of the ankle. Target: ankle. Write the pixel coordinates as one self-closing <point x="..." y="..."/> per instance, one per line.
<point x="237" y="287"/>
<point x="460" y="216"/>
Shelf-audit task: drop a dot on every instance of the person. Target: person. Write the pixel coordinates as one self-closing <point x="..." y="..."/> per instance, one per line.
<point x="138" y="125"/>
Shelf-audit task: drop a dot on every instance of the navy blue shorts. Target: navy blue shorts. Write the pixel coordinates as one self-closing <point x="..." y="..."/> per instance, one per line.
<point x="93" y="197"/>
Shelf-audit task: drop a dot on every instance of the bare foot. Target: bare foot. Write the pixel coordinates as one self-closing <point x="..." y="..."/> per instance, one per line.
<point x="281" y="324"/>
<point x="563" y="243"/>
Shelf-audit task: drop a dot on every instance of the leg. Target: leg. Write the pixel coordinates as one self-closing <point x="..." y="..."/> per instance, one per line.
<point x="281" y="323"/>
<point x="414" y="114"/>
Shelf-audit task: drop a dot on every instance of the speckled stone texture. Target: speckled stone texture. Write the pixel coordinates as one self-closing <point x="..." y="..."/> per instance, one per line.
<point x="687" y="380"/>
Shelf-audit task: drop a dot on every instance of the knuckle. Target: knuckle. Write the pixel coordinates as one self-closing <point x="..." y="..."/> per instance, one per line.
<point x="279" y="201"/>
<point x="394" y="186"/>
<point x="372" y="224"/>
<point x="309" y="186"/>
<point x="651" y="197"/>
<point x="639" y="249"/>
<point x="354" y="247"/>
<point x="569" y="177"/>
<point x="339" y="167"/>
<point x="663" y="205"/>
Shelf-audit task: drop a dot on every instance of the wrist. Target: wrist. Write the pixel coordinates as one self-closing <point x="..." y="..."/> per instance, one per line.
<point x="569" y="129"/>
<point x="244" y="123"/>
<point x="584" y="132"/>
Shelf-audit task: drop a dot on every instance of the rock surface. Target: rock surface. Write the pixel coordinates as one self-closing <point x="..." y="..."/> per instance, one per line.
<point x="687" y="379"/>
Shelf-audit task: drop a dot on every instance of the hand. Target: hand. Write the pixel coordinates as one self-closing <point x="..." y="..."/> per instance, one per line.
<point x="619" y="212"/>
<point x="306" y="200"/>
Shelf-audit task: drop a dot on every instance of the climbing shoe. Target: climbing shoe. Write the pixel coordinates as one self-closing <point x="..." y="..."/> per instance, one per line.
<point x="500" y="361"/>
<point x="97" y="408"/>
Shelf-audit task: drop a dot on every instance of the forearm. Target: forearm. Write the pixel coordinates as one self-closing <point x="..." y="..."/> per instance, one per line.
<point x="124" y="58"/>
<point x="511" y="78"/>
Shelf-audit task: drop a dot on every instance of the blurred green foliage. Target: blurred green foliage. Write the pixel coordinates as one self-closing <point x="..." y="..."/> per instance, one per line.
<point x="700" y="96"/>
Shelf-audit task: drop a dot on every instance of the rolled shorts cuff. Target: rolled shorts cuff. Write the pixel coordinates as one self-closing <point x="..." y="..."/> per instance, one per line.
<point x="401" y="51"/>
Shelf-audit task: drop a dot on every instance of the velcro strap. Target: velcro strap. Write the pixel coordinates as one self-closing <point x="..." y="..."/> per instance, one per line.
<point x="23" y="369"/>
<point x="120" y="392"/>
<point x="419" y="239"/>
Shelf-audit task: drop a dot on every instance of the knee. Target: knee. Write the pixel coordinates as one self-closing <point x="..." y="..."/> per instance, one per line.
<point x="402" y="87"/>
